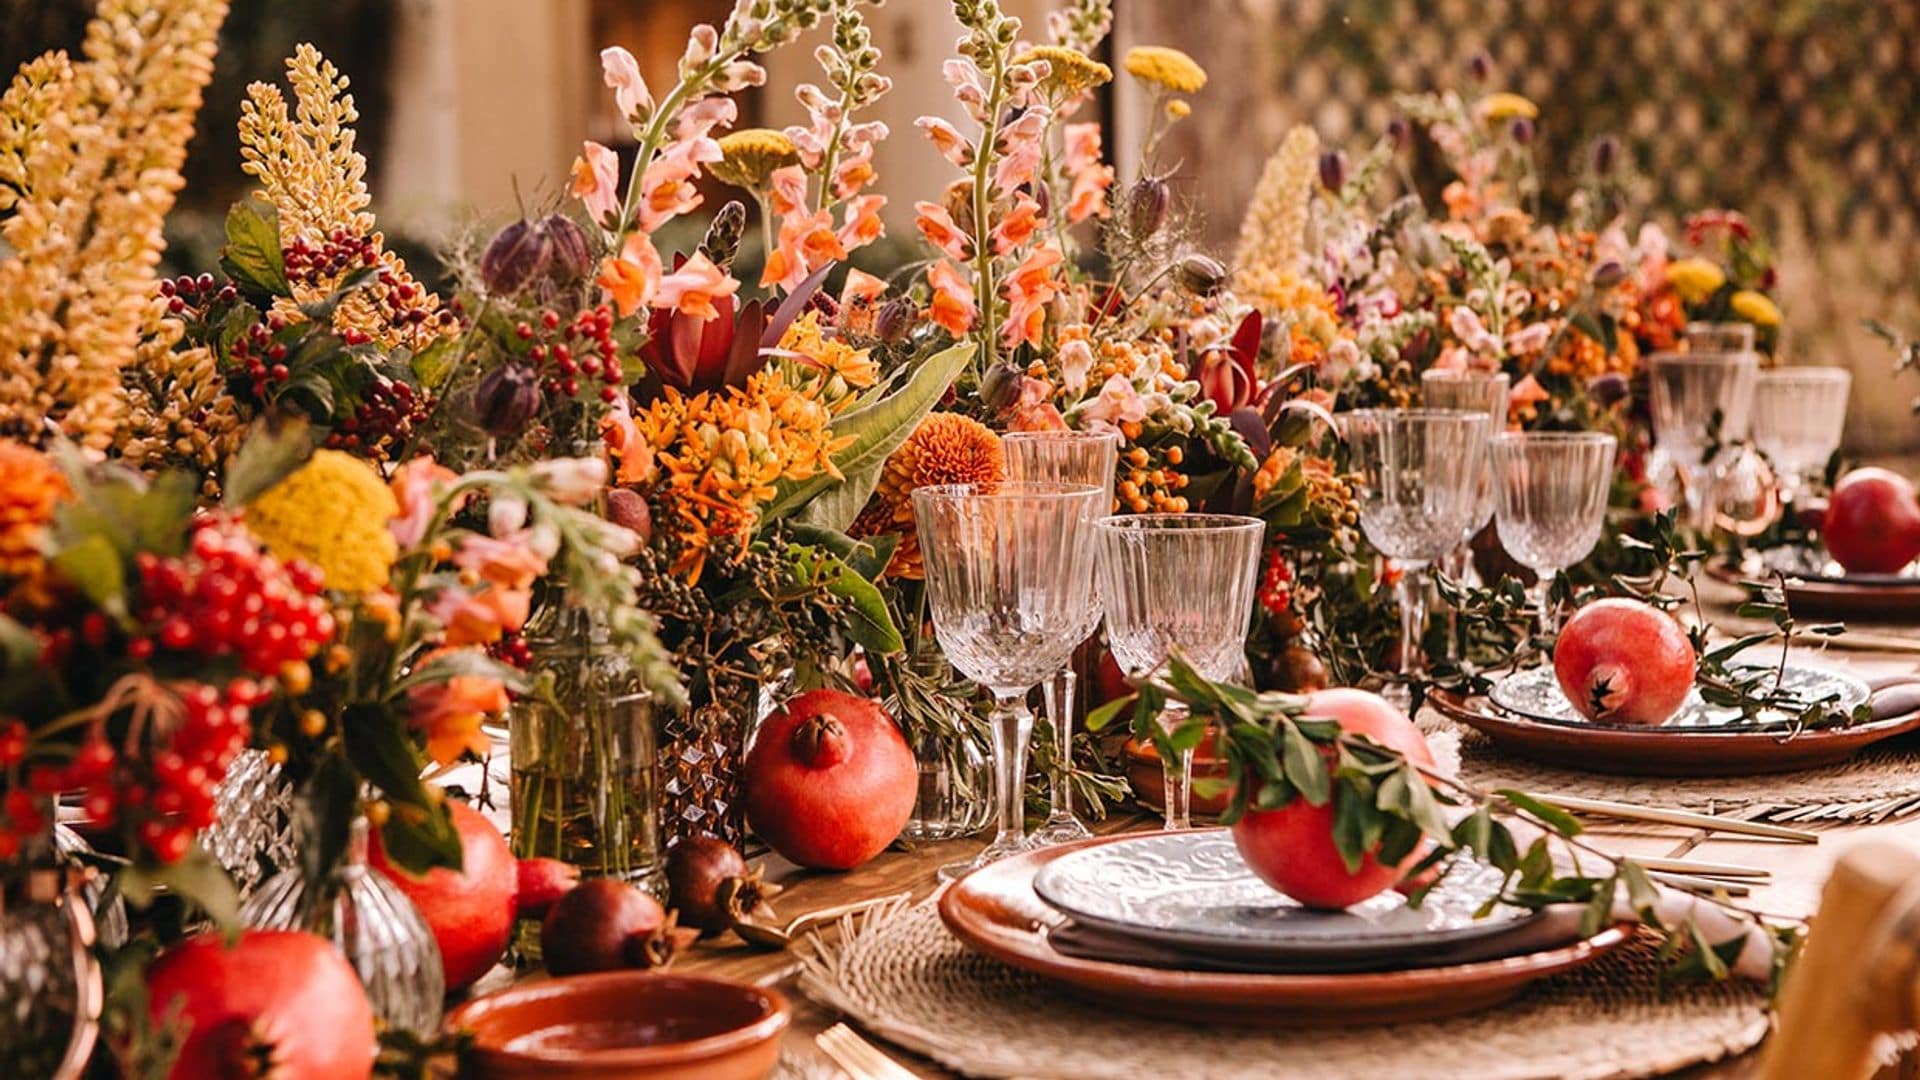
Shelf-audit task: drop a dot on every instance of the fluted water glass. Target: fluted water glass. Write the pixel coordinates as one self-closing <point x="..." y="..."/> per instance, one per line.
<point x="1701" y="401"/>
<point x="1798" y="416"/>
<point x="1009" y="578"/>
<point x="1185" y="582"/>
<point x="1072" y="457"/>
<point x="1551" y="501"/>
<point x="1417" y="476"/>
<point x="1719" y="337"/>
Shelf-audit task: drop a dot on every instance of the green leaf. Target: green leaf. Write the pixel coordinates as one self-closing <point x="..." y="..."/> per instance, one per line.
<point x="1305" y="768"/>
<point x="877" y="430"/>
<point x="433" y="364"/>
<point x="1211" y="787"/>
<point x="419" y="838"/>
<point x="273" y="450"/>
<point x="419" y="833"/>
<point x="1351" y="818"/>
<point x="869" y="623"/>
<point x="252" y="256"/>
<point x="94" y="565"/>
<point x="1099" y="717"/>
<point x="1559" y="820"/>
<point x="197" y="877"/>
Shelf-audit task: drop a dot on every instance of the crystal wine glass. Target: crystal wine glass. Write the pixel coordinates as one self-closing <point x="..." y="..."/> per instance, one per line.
<point x="1551" y="500"/>
<point x="1417" y="478"/>
<point x="1072" y="457"/>
<point x="1798" y="415"/>
<point x="1179" y="581"/>
<point x="1009" y="573"/>
<point x="1701" y="402"/>
<point x="1483" y="391"/>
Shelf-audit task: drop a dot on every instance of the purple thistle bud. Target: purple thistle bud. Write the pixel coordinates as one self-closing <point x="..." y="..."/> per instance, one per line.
<point x="1606" y="154"/>
<point x="1333" y="170"/>
<point x="506" y="399"/>
<point x="1608" y="274"/>
<point x="1522" y="130"/>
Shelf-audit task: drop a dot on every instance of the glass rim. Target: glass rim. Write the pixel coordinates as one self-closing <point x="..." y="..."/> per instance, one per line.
<point x="1189" y="523"/>
<point x="1069" y="435"/>
<point x="1550" y="438"/>
<point x="1807" y="373"/>
<point x="1461" y="375"/>
<point x="1047" y="490"/>
<point x="1422" y="413"/>
<point x="1705" y="358"/>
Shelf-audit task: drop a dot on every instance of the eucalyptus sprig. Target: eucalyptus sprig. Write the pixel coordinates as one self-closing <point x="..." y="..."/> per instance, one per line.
<point x="1388" y="808"/>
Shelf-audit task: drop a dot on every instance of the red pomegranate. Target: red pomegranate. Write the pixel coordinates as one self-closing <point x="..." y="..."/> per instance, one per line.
<point x="1622" y="661"/>
<point x="1873" y="522"/>
<point x="607" y="925"/>
<point x="1292" y="848"/>
<point x="470" y="911"/>
<point x="829" y="781"/>
<point x="542" y="882"/>
<point x="278" y="1003"/>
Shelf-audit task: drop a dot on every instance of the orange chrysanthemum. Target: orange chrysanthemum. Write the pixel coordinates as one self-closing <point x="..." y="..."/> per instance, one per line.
<point x="30" y="488"/>
<point x="946" y="448"/>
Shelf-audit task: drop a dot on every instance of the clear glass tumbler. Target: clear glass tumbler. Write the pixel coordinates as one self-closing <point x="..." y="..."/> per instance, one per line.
<point x="1798" y="416"/>
<point x="1185" y="582"/>
<point x="1551" y="500"/>
<point x="1701" y="402"/>
<point x="1009" y="578"/>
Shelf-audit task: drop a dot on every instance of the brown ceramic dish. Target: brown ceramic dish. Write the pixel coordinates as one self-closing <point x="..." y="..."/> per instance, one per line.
<point x="1887" y="598"/>
<point x="626" y="1025"/>
<point x="1656" y="751"/>
<point x="1149" y="780"/>
<point x="994" y="911"/>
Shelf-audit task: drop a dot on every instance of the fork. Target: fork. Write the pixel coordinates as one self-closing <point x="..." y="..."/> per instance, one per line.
<point x="860" y="1058"/>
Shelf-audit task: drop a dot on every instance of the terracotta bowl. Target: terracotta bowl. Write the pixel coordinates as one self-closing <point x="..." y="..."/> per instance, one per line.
<point x="628" y="1025"/>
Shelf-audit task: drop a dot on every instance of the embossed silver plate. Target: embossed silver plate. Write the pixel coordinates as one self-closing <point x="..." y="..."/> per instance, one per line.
<point x="1190" y="890"/>
<point x="1535" y="694"/>
<point x="1815" y="565"/>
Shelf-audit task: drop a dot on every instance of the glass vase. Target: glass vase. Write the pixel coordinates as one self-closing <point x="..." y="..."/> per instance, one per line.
<point x="373" y="923"/>
<point x="954" y="799"/>
<point x="51" y="991"/>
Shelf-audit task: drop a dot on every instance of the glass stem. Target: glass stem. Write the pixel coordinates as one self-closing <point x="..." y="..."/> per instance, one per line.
<point x="1059" y="691"/>
<point x="1176" y="774"/>
<point x="1549" y="621"/>
<point x="1458" y="566"/>
<point x="1011" y="725"/>
<point x="1412" y="594"/>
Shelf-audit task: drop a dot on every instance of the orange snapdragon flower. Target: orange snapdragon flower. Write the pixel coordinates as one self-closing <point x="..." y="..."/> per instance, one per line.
<point x="938" y="226"/>
<point x="632" y="277"/>
<point x="1028" y="291"/>
<point x="952" y="308"/>
<point x="694" y="287"/>
<point x="449" y="714"/>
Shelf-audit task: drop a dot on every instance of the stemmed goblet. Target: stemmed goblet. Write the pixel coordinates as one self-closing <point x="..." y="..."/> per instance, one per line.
<point x="1179" y="581"/>
<point x="1701" y="402"/>
<point x="1798" y="416"/>
<point x="1009" y="572"/>
<point x="1417" y="476"/>
<point x="1551" y="500"/>
<point x="1073" y="457"/>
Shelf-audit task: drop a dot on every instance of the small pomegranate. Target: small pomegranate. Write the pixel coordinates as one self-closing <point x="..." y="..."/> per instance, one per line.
<point x="540" y="883"/>
<point x="277" y="1003"/>
<point x="607" y="925"/>
<point x="1109" y="682"/>
<point x="1622" y="661"/>
<point x="471" y="910"/>
<point x="1292" y="848"/>
<point x="829" y="781"/>
<point x="1873" y="522"/>
<point x="711" y="884"/>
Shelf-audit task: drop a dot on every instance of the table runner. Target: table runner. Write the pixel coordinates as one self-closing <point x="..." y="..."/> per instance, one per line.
<point x="902" y="977"/>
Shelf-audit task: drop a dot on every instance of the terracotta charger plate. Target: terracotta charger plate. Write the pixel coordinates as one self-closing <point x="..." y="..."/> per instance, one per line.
<point x="1889" y="597"/>
<point x="1668" y="751"/>
<point x="994" y="911"/>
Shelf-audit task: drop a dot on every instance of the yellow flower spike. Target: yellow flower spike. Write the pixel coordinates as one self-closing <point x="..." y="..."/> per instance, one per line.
<point x="1507" y="106"/>
<point x="1755" y="307"/>
<point x="750" y="157"/>
<point x="1695" y="278"/>
<point x="1169" y="69"/>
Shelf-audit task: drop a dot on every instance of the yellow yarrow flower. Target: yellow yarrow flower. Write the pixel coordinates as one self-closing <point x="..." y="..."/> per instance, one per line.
<point x="1756" y="308"/>
<point x="1069" y="69"/>
<point x="1695" y="278"/>
<point x="333" y="512"/>
<point x="1507" y="106"/>
<point x="1169" y="69"/>
<point x="749" y="157"/>
<point x="1178" y="109"/>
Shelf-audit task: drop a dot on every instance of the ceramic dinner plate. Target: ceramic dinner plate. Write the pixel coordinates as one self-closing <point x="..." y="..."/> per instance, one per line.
<point x="1191" y="891"/>
<point x="1831" y="591"/>
<point x="995" y="912"/>
<point x="1535" y="694"/>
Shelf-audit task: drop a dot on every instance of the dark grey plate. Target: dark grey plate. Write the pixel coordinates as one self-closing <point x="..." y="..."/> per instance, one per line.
<point x="1535" y="694"/>
<point x="1814" y="565"/>
<point x="1190" y="890"/>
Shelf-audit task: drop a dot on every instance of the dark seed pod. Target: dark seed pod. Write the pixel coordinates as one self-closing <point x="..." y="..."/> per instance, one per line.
<point x="1523" y="130"/>
<point x="1147" y="206"/>
<point x="572" y="258"/>
<point x="1608" y="274"/>
<point x="1480" y="67"/>
<point x="1333" y="170"/>
<point x="1000" y="387"/>
<point x="895" y="321"/>
<point x="515" y="257"/>
<point x="1608" y="390"/>
<point x="1201" y="275"/>
<point x="507" y="399"/>
<point x="1606" y="154"/>
<point x="1398" y="132"/>
<point x="722" y="242"/>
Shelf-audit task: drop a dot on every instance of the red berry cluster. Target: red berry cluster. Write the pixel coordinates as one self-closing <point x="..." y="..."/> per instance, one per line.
<point x="262" y="359"/>
<point x="512" y="648"/>
<point x="569" y="351"/>
<point x="1275" y="594"/>
<point x="188" y="295"/>
<point x="385" y="419"/>
<point x="322" y="267"/>
<point x="226" y="596"/>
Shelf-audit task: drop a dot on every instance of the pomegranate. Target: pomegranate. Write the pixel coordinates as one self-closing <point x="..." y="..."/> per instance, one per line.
<point x="277" y="1003"/>
<point x="1109" y="682"/>
<point x="1292" y="848"/>
<point x="711" y="885"/>
<point x="1622" y="661"/>
<point x="471" y="910"/>
<point x="542" y="882"/>
<point x="829" y="780"/>
<point x="606" y="925"/>
<point x="1873" y="522"/>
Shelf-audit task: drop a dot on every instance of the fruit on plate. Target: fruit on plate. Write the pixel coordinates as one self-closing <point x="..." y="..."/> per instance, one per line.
<point x="829" y="781"/>
<point x="276" y="1003"/>
<point x="1292" y="849"/>
<point x="1621" y="661"/>
<point x="1873" y="522"/>
<point x="711" y="885"/>
<point x="608" y="925"/>
<point x="470" y="910"/>
<point x="541" y="883"/>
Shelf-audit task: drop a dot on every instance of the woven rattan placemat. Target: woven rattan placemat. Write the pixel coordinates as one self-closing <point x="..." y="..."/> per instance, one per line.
<point x="902" y="977"/>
